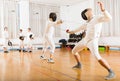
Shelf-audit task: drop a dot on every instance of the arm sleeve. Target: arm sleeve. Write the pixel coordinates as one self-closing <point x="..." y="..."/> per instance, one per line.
<point x="105" y="17"/>
<point x="83" y="27"/>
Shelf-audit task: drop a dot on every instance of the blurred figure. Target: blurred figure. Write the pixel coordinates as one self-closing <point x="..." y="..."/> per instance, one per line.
<point x="5" y="36"/>
<point x="21" y="37"/>
<point x="30" y="37"/>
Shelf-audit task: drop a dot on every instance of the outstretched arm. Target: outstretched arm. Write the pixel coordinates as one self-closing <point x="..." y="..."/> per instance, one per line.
<point x="105" y="16"/>
<point x="83" y="27"/>
<point x="58" y="22"/>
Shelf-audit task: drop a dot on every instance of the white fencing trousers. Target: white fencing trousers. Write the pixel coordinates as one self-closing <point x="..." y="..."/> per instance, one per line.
<point x="21" y="43"/>
<point x="29" y="43"/>
<point x="49" y="41"/>
<point x="5" y="43"/>
<point x="92" y="45"/>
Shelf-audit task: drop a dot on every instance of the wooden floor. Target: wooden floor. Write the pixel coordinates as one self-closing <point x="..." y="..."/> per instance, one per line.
<point x="16" y="66"/>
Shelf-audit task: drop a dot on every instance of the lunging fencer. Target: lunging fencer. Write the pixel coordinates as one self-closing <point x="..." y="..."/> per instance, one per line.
<point x="93" y="28"/>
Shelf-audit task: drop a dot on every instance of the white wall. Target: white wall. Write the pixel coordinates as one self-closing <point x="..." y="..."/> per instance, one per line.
<point x="72" y="16"/>
<point x="9" y="16"/>
<point x="1" y="17"/>
<point x="24" y="14"/>
<point x="113" y="7"/>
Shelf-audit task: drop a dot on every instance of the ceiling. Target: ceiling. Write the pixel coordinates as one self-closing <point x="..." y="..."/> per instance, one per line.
<point x="57" y="2"/>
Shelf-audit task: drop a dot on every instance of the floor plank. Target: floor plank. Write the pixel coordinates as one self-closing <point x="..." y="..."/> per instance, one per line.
<point x="16" y="66"/>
